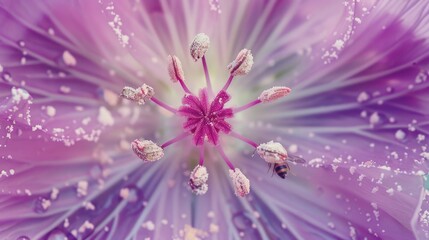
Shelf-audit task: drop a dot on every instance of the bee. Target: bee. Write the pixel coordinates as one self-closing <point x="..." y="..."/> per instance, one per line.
<point x="275" y="154"/>
<point x="282" y="169"/>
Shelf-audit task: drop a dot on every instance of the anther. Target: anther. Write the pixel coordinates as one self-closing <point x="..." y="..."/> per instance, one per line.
<point x="198" y="180"/>
<point x="139" y="95"/>
<point x="273" y="94"/>
<point x="147" y="150"/>
<point x="272" y="152"/>
<point x="199" y="46"/>
<point x="240" y="182"/>
<point x="175" y="69"/>
<point x="242" y="63"/>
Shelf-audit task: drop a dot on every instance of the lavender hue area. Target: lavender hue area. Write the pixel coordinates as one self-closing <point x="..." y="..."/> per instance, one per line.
<point x="358" y="113"/>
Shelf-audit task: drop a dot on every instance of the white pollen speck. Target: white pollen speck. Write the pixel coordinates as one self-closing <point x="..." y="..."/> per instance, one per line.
<point x="82" y="188"/>
<point x="88" y="205"/>
<point x="86" y="121"/>
<point x="400" y="135"/>
<point x="28" y="192"/>
<point x="363" y="96"/>
<point x="65" y="89"/>
<point x="214" y="228"/>
<point x="293" y="148"/>
<point x="421" y="138"/>
<point x="124" y="193"/>
<point x="66" y="223"/>
<point x="46" y="204"/>
<point x="54" y="193"/>
<point x="374" y="118"/>
<point x="110" y="97"/>
<point x="105" y="117"/>
<point x="69" y="59"/>
<point x="390" y="191"/>
<point x="339" y="44"/>
<point x="51" y="31"/>
<point x="51" y="111"/>
<point x="86" y="225"/>
<point x="395" y="155"/>
<point x="149" y="225"/>
<point x="315" y="161"/>
<point x="211" y="214"/>
<point x="19" y="94"/>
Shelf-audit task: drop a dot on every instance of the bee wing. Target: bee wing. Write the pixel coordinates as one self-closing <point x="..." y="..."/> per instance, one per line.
<point x="295" y="159"/>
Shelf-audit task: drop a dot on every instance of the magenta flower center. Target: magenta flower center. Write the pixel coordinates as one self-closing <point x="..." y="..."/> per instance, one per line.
<point x="205" y="119"/>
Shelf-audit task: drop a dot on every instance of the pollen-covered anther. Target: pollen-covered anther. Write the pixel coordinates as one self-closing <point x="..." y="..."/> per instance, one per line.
<point x="199" y="46"/>
<point x="198" y="180"/>
<point x="242" y="63"/>
<point x="272" y="152"/>
<point x="175" y="69"/>
<point x="241" y="183"/>
<point x="273" y="94"/>
<point x="139" y="95"/>
<point x="147" y="150"/>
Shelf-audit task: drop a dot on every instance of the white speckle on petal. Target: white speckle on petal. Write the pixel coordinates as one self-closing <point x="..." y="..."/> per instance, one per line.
<point x="339" y="44"/>
<point x="51" y="111"/>
<point x="149" y="225"/>
<point x="363" y="96"/>
<point x="400" y="135"/>
<point x="105" y="117"/>
<point x="374" y="118"/>
<point x="54" y="193"/>
<point x="19" y="94"/>
<point x="86" y="225"/>
<point x="82" y="188"/>
<point x="69" y="59"/>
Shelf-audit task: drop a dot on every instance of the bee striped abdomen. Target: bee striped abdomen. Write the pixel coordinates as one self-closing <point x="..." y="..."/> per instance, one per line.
<point x="281" y="169"/>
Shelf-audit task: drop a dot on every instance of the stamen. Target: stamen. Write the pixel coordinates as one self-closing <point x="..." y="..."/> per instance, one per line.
<point x="228" y="82"/>
<point x="241" y="183"/>
<point x="164" y="105"/>
<point x="273" y="94"/>
<point x="201" y="155"/>
<point x="272" y="152"/>
<point x="139" y="95"/>
<point x="242" y="63"/>
<point x="176" y="73"/>
<point x="244" y="139"/>
<point x="147" y="150"/>
<point x="199" y="46"/>
<point x="247" y="106"/>
<point x="224" y="157"/>
<point x="176" y="139"/>
<point x="198" y="180"/>
<point x="206" y="72"/>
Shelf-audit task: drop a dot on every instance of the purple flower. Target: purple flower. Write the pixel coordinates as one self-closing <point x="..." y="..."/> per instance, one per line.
<point x="357" y="114"/>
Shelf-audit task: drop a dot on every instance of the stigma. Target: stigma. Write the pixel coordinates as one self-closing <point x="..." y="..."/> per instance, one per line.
<point x="205" y="116"/>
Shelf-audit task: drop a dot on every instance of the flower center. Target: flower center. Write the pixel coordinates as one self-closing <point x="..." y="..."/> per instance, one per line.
<point x="204" y="119"/>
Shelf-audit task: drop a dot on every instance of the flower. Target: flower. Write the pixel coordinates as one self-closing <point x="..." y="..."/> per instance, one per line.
<point x="206" y="118"/>
<point x="357" y="115"/>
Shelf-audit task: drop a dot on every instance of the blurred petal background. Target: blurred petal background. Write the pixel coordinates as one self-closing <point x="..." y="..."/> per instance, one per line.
<point x="358" y="113"/>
